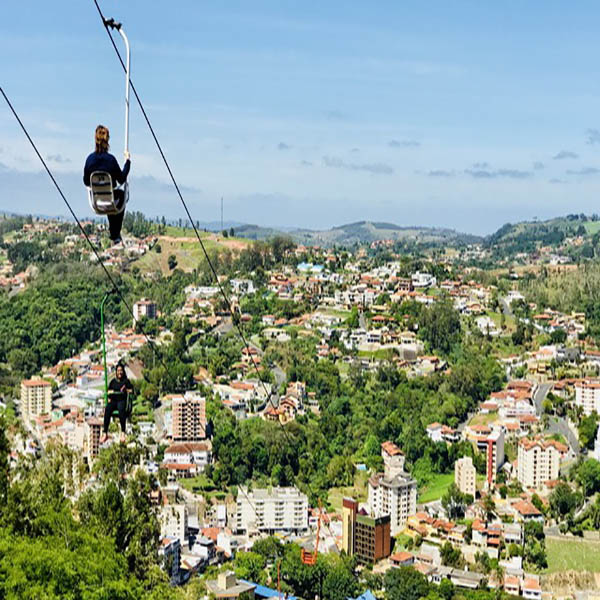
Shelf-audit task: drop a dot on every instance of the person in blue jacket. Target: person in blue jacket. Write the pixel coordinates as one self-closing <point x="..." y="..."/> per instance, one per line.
<point x="102" y="160"/>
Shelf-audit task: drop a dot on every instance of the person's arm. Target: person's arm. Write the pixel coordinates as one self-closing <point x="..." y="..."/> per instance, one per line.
<point x="86" y="173"/>
<point x="128" y="386"/>
<point x="112" y="390"/>
<point x="119" y="175"/>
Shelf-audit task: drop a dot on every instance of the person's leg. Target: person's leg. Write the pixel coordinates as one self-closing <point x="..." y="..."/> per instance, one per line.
<point x="108" y="411"/>
<point x="123" y="419"/>
<point x="115" y="222"/>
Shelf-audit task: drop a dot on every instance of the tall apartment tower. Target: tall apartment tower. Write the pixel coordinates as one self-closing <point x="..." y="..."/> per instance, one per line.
<point x="189" y="418"/>
<point x="539" y="461"/>
<point x="465" y="475"/>
<point x="366" y="537"/>
<point x="36" y="398"/>
<point x="493" y="447"/>
<point x="349" y="510"/>
<point x="393" y="492"/>
<point x="93" y="430"/>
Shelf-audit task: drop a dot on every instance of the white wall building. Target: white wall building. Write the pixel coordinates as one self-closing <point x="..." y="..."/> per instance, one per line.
<point x="36" y="398"/>
<point x="144" y="308"/>
<point x="587" y="396"/>
<point x="393" y="492"/>
<point x="174" y="521"/>
<point x="465" y="475"/>
<point x="539" y="461"/>
<point x="272" y="510"/>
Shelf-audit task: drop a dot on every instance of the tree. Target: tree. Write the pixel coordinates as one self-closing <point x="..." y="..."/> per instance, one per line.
<point x="489" y="506"/>
<point x="588" y="476"/>
<point x="405" y="583"/>
<point x="534" y="551"/>
<point x="587" y="430"/>
<point x="558" y="336"/>
<point x="451" y="556"/>
<point x="439" y="325"/>
<point x="455" y="502"/>
<point x="563" y="500"/>
<point x="446" y="589"/>
<point x="250" y="566"/>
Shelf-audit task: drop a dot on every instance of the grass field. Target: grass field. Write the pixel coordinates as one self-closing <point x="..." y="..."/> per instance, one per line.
<point x="187" y="251"/>
<point x="510" y="321"/>
<point x="358" y="491"/>
<point x="481" y="419"/>
<point x="577" y="555"/>
<point x="592" y="227"/>
<point x="436" y="488"/>
<point x="381" y="354"/>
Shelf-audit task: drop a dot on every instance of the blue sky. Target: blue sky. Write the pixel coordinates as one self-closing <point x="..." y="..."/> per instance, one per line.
<point x="312" y="114"/>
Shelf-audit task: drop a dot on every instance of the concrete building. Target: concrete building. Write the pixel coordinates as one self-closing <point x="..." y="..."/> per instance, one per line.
<point x="169" y="551"/>
<point x="196" y="453"/>
<point x="144" y="308"/>
<point x="36" y="398"/>
<point x="368" y="538"/>
<point x="278" y="509"/>
<point x="587" y="396"/>
<point x="493" y="446"/>
<point x="228" y="586"/>
<point x="393" y="492"/>
<point x="93" y="431"/>
<point x="189" y="418"/>
<point x="465" y="475"/>
<point x="539" y="461"/>
<point x="174" y="521"/>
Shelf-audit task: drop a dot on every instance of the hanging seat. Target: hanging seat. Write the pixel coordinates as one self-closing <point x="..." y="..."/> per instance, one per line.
<point x="102" y="197"/>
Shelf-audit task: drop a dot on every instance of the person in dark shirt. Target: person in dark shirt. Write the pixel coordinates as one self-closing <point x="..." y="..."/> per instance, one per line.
<point x="118" y="396"/>
<point x="102" y="160"/>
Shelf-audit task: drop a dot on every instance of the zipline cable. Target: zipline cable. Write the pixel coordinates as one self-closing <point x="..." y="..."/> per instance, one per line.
<point x="106" y="24"/>
<point x="189" y="216"/>
<point x="106" y="271"/>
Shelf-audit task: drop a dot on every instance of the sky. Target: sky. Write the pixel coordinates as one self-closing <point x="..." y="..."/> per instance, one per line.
<point x="465" y="115"/>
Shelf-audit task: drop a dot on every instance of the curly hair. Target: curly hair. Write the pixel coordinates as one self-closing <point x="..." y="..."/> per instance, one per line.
<point x="101" y="138"/>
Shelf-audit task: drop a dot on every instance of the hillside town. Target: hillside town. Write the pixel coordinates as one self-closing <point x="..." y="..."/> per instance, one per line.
<point x="504" y="481"/>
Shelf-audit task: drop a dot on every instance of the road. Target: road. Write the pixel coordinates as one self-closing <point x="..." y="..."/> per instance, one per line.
<point x="225" y="327"/>
<point x="539" y="396"/>
<point x="555" y="424"/>
<point x="361" y="320"/>
<point x="505" y="307"/>
<point x="558" y="425"/>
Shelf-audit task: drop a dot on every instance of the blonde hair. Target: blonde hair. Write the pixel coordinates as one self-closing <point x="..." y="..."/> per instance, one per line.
<point x="101" y="138"/>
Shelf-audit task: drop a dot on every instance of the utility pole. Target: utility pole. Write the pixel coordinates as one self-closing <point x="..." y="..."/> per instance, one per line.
<point x="221" y="213"/>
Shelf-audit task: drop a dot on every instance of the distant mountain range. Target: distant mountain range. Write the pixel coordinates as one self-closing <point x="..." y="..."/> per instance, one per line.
<point x="361" y="232"/>
<point x="510" y="235"/>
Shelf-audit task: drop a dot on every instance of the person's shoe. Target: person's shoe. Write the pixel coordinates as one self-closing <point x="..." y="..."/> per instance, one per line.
<point x="117" y="241"/>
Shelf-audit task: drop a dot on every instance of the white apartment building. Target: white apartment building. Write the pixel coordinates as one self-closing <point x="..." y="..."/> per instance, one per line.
<point x="278" y="509"/>
<point x="144" y="308"/>
<point x="423" y="280"/>
<point x="465" y="475"/>
<point x="36" y="398"/>
<point x="539" y="461"/>
<point x="393" y="492"/>
<point x="174" y="521"/>
<point x="587" y="395"/>
<point x="196" y="453"/>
